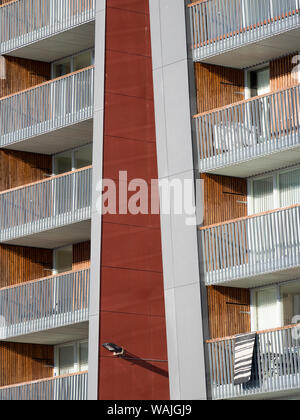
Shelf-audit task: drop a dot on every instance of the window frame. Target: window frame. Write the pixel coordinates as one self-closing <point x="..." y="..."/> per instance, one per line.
<point x="72" y="57"/>
<point x="76" y="365"/>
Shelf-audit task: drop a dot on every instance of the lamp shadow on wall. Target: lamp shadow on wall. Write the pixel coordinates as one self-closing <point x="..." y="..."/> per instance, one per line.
<point x="135" y="360"/>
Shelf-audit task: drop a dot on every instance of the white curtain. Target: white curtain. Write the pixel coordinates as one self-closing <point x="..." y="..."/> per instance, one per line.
<point x="263" y="197"/>
<point x="289" y="187"/>
<point x="267" y="309"/>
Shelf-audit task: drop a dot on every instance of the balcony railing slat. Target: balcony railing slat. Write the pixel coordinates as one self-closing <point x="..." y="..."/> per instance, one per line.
<point x="45" y="108"/>
<point x="248" y="129"/>
<point x="251" y="246"/>
<point x="26" y="21"/>
<point x="276" y="364"/>
<point x="218" y="26"/>
<point x="44" y="304"/>
<point x="64" y="388"/>
<point x="67" y="198"/>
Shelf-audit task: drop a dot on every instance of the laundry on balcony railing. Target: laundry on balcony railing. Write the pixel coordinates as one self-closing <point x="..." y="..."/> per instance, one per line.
<point x="275" y="365"/>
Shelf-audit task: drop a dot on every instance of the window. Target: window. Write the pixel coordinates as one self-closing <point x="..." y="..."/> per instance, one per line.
<point x="280" y="189"/>
<point x="73" y="63"/>
<point x="71" y="160"/>
<point x="259" y="81"/>
<point x="290" y="298"/>
<point x="266" y="309"/>
<point x="71" y="358"/>
<point x="275" y="306"/>
<point x="63" y="259"/>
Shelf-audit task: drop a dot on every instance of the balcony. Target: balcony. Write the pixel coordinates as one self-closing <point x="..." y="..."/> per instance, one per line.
<point x="48" y="214"/>
<point x="276" y="366"/>
<point x="243" y="33"/>
<point x="46" y="311"/>
<point x="251" y="136"/>
<point x="63" y="388"/>
<point x="51" y="117"/>
<point x="46" y="30"/>
<point x="253" y="251"/>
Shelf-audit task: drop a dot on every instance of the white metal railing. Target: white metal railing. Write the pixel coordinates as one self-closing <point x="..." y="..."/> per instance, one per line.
<point x="44" y="205"/>
<point x="44" y="304"/>
<point x="220" y="25"/>
<point x="276" y="364"/>
<point x="251" y="246"/>
<point x="26" y="21"/>
<point x="50" y="106"/>
<point x="63" y="388"/>
<point x="249" y="129"/>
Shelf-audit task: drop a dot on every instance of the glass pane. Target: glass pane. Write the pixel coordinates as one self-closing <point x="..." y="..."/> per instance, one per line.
<point x="266" y="309"/>
<point x="61" y="68"/>
<point x="82" y="60"/>
<point x="62" y="163"/>
<point x="263" y="197"/>
<point x="66" y="360"/>
<point x="63" y="258"/>
<point x="290" y="296"/>
<point x="83" y="356"/>
<point x="84" y="156"/>
<point x="289" y="186"/>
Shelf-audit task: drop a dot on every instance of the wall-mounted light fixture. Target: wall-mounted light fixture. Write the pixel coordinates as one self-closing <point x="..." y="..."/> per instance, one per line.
<point x="113" y="348"/>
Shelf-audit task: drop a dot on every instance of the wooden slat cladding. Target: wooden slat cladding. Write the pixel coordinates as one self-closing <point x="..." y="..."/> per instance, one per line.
<point x="218" y="86"/>
<point x="25" y="362"/>
<point x="224" y="198"/>
<point x="18" y="74"/>
<point x="81" y="255"/>
<point x="228" y="311"/>
<point x="281" y="73"/>
<point x="20" y="264"/>
<point x="21" y="168"/>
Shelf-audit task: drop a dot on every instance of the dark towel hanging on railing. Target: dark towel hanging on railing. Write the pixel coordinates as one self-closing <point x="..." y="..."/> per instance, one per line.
<point x="243" y="357"/>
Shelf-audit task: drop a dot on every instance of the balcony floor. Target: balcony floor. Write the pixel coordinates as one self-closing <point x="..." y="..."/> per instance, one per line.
<point x="61" y="45"/>
<point x="55" y="336"/>
<point x="248" y="55"/>
<point x="58" y="140"/>
<point x="55" y="238"/>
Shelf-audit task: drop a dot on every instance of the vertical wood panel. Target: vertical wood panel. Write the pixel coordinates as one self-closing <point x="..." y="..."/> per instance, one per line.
<point x="25" y="362"/>
<point x="218" y="86"/>
<point x="20" y="264"/>
<point x="81" y="255"/>
<point x="21" y="74"/>
<point x="20" y="168"/>
<point x="281" y="73"/>
<point x="224" y="198"/>
<point x="227" y="307"/>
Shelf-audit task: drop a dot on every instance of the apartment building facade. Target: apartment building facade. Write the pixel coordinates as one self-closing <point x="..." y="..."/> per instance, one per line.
<point x="170" y="90"/>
